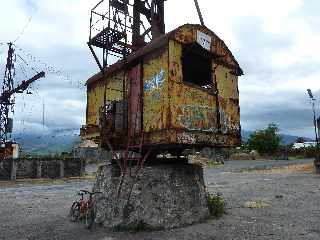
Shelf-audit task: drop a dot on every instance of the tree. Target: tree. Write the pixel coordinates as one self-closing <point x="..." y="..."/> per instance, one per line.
<point x="265" y="141"/>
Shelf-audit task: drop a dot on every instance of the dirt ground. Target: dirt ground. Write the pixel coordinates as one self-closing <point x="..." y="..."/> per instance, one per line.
<point x="281" y="203"/>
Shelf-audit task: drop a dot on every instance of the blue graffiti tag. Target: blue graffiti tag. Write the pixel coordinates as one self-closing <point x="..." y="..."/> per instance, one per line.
<point x="155" y="82"/>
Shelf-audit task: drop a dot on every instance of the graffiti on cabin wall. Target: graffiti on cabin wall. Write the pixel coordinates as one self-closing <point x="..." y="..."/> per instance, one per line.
<point x="155" y="82"/>
<point x="227" y="125"/>
<point x="203" y="118"/>
<point x="196" y="117"/>
<point x="199" y="138"/>
<point x="195" y="95"/>
<point x="185" y="138"/>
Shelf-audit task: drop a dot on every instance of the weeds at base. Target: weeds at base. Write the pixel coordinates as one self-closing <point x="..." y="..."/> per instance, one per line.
<point x="216" y="205"/>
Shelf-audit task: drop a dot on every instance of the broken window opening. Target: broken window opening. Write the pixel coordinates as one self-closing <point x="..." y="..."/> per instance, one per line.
<point x="197" y="66"/>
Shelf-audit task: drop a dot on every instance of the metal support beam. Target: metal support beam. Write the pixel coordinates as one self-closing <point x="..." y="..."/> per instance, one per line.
<point x="199" y="12"/>
<point x="96" y="58"/>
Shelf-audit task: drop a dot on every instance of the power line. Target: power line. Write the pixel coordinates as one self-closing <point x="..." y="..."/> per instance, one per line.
<point x="23" y="30"/>
<point x="52" y="70"/>
<point x="25" y="62"/>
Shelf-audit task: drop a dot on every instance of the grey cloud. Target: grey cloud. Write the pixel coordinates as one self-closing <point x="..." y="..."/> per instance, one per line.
<point x="256" y="46"/>
<point x="291" y="115"/>
<point x="288" y="108"/>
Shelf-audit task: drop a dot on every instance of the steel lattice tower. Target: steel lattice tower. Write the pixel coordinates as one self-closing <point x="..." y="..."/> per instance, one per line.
<point x="6" y="105"/>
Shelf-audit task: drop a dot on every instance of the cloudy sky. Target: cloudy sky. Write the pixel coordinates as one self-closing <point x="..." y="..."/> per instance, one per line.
<point x="276" y="43"/>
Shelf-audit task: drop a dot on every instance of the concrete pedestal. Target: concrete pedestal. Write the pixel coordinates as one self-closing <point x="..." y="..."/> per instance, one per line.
<point x="164" y="196"/>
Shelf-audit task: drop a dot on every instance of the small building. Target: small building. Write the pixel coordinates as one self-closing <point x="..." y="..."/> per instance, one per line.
<point x="178" y="92"/>
<point x="304" y="145"/>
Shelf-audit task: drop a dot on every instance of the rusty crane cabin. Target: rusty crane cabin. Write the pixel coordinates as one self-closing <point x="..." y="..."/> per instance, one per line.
<point x="180" y="90"/>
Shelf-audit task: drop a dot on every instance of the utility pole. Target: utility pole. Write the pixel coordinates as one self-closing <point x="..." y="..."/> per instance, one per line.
<point x="317" y="156"/>
<point x="7" y="102"/>
<point x="312" y="99"/>
<point x="43" y="113"/>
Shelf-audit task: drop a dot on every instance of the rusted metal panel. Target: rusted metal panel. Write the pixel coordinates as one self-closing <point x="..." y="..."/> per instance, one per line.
<point x="95" y="101"/>
<point x="155" y="88"/>
<point x="188" y="33"/>
<point x="190" y="108"/>
<point x="175" y="112"/>
<point x="187" y="138"/>
<point x="110" y="87"/>
<point x="135" y="100"/>
<point x="227" y="85"/>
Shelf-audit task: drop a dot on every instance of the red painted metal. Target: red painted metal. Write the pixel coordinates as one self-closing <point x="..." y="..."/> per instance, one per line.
<point x="135" y="100"/>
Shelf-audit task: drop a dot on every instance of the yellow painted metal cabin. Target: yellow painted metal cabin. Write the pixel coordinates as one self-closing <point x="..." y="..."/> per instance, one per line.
<point x="179" y="91"/>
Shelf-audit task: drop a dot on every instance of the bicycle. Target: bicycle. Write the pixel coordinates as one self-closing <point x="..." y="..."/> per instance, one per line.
<point x="85" y="208"/>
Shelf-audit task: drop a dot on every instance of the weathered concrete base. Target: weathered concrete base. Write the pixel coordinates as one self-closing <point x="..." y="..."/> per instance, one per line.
<point x="164" y="196"/>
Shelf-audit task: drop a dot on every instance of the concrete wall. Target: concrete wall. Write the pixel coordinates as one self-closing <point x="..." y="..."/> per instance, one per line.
<point x="92" y="155"/>
<point x="41" y="168"/>
<point x="5" y="170"/>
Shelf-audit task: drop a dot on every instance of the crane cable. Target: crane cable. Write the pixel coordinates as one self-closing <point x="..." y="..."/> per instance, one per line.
<point x="23" y="30"/>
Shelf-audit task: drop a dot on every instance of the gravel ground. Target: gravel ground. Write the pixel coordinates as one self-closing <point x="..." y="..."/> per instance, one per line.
<point x="283" y="206"/>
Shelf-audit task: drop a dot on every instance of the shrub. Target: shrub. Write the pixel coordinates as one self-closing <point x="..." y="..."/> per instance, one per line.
<point x="266" y="141"/>
<point x="216" y="205"/>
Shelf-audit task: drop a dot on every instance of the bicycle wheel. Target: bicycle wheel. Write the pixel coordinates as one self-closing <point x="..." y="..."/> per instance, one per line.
<point x="74" y="213"/>
<point x="90" y="216"/>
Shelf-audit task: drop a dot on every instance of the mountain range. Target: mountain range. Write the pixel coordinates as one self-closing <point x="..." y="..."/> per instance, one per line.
<point x="55" y="142"/>
<point x="285" y="139"/>
<point x="59" y="141"/>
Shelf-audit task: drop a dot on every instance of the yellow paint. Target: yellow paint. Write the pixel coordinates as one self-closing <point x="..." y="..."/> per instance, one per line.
<point x="188" y="34"/>
<point x="113" y="87"/>
<point x="227" y="85"/>
<point x="191" y="108"/>
<point x="155" y="81"/>
<point x="175" y="111"/>
<point x="95" y="100"/>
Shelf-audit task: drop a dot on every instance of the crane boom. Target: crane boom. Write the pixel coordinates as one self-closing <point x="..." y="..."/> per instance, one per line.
<point x="20" y="88"/>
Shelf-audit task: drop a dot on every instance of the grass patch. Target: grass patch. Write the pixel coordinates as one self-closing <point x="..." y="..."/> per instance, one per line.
<point x="296" y="168"/>
<point x="256" y="204"/>
<point x="217" y="206"/>
<point x="213" y="164"/>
